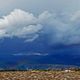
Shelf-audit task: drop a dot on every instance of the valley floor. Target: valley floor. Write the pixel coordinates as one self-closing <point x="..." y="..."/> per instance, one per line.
<point x="39" y="75"/>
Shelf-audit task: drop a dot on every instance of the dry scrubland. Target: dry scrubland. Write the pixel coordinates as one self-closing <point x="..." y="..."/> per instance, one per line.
<point x="39" y="75"/>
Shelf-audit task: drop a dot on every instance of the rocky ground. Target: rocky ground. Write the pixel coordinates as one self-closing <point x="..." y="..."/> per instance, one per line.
<point x="39" y="75"/>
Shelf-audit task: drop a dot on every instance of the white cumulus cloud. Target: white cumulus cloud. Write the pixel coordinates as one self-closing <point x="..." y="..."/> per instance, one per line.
<point x="19" y="24"/>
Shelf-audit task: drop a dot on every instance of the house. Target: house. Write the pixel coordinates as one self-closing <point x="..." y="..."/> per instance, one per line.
<point x="67" y="70"/>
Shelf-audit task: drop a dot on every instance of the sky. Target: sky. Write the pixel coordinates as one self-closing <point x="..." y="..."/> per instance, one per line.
<point x="40" y="27"/>
<point x="39" y="6"/>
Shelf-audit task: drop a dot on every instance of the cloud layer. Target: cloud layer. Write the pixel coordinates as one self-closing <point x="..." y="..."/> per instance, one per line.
<point x="61" y="28"/>
<point x="31" y="54"/>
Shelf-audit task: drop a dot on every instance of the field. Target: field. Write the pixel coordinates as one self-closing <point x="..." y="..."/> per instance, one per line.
<point x="39" y="75"/>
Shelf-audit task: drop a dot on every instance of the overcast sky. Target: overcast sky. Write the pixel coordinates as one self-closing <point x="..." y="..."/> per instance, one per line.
<point x="38" y="6"/>
<point x="55" y="21"/>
